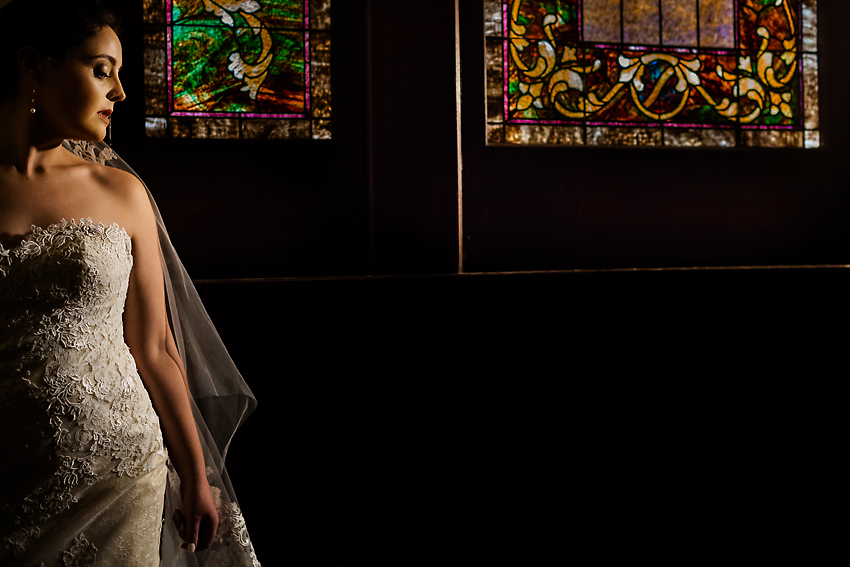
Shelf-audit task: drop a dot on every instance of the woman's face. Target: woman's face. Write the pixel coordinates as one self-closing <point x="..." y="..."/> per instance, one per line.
<point x="76" y="97"/>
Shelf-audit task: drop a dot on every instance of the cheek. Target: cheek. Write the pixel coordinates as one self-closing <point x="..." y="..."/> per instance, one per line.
<point x="83" y="93"/>
<point x="75" y="91"/>
<point x="71" y="99"/>
<point x="77" y="99"/>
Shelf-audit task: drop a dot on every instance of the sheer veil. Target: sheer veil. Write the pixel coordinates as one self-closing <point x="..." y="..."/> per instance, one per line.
<point x="221" y="400"/>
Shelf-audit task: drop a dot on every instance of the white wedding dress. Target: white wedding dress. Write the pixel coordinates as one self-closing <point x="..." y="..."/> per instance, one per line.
<point x="83" y="468"/>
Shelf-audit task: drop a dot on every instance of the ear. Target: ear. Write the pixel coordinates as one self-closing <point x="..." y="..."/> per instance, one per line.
<point x="31" y="63"/>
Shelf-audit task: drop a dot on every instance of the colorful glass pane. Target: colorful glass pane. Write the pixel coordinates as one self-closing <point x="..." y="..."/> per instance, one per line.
<point x="238" y="69"/>
<point x="722" y="73"/>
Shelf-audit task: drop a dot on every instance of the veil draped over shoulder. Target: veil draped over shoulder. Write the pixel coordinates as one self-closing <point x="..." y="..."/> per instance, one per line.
<point x="220" y="398"/>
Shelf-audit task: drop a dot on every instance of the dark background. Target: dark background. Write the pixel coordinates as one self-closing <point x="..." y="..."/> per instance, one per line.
<point x="553" y="398"/>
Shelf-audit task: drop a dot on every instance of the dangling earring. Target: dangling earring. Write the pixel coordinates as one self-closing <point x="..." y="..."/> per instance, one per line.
<point x="32" y="107"/>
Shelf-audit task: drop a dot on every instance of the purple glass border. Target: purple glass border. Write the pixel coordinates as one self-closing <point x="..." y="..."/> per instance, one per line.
<point x="672" y="125"/>
<point x="697" y="51"/>
<point x="505" y="41"/>
<point x="305" y="116"/>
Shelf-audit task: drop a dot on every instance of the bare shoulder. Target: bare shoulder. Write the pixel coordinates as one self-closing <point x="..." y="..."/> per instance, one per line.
<point x="126" y="194"/>
<point x="115" y="180"/>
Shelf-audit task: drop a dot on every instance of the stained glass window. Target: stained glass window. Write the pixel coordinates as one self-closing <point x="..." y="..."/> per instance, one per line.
<point x="237" y="69"/>
<point x="730" y="73"/>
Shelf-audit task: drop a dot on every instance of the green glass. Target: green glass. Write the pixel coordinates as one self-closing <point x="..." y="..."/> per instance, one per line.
<point x="212" y="64"/>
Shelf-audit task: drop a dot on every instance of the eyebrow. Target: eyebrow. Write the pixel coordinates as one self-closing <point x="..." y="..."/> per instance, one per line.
<point x="105" y="56"/>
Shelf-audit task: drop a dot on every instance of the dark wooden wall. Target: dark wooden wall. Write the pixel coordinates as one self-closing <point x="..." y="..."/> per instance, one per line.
<point x="410" y="415"/>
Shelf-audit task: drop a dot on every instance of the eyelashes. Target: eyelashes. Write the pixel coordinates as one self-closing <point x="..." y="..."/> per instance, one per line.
<point x="100" y="72"/>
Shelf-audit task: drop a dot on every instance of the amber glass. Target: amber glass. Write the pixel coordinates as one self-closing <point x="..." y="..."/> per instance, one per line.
<point x="723" y="73"/>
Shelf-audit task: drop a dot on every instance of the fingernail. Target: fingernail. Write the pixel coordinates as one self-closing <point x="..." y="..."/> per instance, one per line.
<point x="191" y="548"/>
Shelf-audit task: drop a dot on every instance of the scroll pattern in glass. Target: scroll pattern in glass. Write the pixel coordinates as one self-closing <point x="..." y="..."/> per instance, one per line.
<point x="237" y="69"/>
<point x="728" y="73"/>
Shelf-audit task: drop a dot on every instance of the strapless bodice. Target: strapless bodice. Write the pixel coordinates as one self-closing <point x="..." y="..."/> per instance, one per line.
<point x="69" y="386"/>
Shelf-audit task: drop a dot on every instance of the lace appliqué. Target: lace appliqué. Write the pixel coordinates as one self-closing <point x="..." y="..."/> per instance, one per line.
<point x="62" y="294"/>
<point x="90" y="152"/>
<point x="83" y="554"/>
<point x="232" y="536"/>
<point x="5" y="260"/>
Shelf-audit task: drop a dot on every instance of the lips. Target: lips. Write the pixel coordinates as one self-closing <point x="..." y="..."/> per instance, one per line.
<point x="105" y="114"/>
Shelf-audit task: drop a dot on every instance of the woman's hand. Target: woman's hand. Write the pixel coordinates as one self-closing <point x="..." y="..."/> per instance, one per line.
<point x="198" y="521"/>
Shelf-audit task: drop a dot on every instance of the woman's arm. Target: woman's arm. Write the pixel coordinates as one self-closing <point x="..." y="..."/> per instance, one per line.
<point x="147" y="334"/>
<point x="171" y="347"/>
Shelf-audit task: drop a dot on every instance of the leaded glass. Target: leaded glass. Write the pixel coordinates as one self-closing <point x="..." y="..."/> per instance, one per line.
<point x="693" y="73"/>
<point x="237" y="69"/>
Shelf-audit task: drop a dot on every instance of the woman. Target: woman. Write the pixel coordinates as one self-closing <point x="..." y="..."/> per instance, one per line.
<point x="94" y="396"/>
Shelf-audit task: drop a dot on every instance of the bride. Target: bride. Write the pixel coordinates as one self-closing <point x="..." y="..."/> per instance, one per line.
<point x="102" y="429"/>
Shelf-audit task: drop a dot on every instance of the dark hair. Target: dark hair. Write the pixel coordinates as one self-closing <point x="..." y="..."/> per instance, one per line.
<point x="53" y="27"/>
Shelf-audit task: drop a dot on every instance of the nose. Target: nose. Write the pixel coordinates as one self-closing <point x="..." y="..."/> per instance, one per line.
<point x="117" y="93"/>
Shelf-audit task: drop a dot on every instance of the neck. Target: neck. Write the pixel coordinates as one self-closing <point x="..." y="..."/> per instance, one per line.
<point x="23" y="144"/>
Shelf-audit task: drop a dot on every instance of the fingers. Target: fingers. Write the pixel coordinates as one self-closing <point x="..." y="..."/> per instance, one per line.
<point x="179" y="523"/>
<point x="192" y="535"/>
<point x="206" y="536"/>
<point x="189" y="537"/>
<point x="198" y="525"/>
<point x="201" y="533"/>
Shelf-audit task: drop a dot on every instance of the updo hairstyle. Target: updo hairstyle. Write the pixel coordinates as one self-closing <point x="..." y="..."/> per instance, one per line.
<point x="53" y="27"/>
